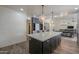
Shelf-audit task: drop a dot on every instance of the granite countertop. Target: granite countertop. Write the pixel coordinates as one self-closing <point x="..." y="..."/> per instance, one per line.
<point x="44" y="35"/>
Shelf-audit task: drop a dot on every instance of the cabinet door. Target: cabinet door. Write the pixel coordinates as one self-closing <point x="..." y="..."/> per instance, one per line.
<point x="53" y="43"/>
<point x="35" y="46"/>
<point x="46" y="47"/>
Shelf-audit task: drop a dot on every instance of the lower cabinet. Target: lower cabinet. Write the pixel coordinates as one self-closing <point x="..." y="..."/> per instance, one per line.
<point x="46" y="47"/>
<point x="35" y="46"/>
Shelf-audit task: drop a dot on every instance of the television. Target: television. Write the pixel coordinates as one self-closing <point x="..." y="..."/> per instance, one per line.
<point x="70" y="27"/>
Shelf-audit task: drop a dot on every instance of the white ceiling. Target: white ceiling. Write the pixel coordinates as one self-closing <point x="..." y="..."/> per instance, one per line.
<point x="31" y="10"/>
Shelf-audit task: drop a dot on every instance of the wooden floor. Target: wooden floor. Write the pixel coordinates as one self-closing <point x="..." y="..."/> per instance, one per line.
<point x="67" y="46"/>
<point x="20" y="48"/>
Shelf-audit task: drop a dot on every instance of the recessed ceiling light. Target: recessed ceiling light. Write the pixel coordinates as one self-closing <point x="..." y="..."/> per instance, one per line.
<point x="21" y="9"/>
<point x="76" y="8"/>
<point x="61" y="14"/>
<point x="55" y="16"/>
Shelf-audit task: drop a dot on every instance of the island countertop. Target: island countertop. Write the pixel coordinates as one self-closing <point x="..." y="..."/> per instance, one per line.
<point x="43" y="36"/>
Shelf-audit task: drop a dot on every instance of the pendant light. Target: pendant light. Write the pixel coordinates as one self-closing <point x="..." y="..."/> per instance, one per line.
<point x="52" y="15"/>
<point x="42" y="17"/>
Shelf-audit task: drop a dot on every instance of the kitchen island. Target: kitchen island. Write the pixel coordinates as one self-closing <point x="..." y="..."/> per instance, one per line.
<point x="44" y="42"/>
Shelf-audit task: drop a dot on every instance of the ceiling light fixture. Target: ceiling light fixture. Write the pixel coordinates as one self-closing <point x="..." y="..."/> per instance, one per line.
<point x="21" y="9"/>
<point x="52" y="14"/>
<point x="76" y="8"/>
<point x="55" y="16"/>
<point x="61" y="15"/>
<point x="42" y="17"/>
